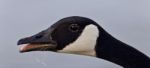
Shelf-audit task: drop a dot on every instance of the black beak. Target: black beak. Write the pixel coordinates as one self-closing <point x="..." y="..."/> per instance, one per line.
<point x="39" y="42"/>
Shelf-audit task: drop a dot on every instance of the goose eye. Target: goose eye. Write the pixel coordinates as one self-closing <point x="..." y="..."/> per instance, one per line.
<point x="74" y="27"/>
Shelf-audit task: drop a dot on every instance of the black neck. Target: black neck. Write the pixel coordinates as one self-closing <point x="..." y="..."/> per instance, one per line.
<point x="113" y="50"/>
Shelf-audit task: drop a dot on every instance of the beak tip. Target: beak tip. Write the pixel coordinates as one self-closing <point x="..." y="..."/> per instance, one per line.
<point x="20" y="42"/>
<point x="23" y="41"/>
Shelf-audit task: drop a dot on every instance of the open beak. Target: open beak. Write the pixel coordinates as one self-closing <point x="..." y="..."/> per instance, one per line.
<point x="39" y="42"/>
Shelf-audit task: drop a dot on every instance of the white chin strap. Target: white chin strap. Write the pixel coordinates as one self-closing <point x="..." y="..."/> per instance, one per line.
<point x="85" y="43"/>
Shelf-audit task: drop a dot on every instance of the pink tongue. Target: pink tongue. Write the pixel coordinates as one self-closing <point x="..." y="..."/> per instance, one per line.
<point x="26" y="47"/>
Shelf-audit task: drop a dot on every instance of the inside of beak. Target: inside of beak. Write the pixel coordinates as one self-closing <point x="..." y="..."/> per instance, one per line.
<point x="37" y="47"/>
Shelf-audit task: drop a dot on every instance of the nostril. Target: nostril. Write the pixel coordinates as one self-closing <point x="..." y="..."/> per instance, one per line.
<point x="38" y="36"/>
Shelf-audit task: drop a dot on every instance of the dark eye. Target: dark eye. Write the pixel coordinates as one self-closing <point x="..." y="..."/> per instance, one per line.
<point x="74" y="27"/>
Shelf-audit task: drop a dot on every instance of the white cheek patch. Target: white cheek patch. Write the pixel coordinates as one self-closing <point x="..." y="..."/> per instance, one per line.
<point x="85" y="43"/>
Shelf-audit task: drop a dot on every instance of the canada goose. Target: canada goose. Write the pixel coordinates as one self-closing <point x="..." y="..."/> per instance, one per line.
<point x="80" y="35"/>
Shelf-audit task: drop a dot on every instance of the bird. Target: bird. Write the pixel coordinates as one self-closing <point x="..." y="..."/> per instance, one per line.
<point x="83" y="36"/>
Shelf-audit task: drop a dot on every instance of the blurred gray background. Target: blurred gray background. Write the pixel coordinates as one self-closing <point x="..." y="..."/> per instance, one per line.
<point x="127" y="20"/>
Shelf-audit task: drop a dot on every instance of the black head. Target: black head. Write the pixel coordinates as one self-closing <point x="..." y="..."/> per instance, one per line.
<point x="80" y="35"/>
<point x="58" y="36"/>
